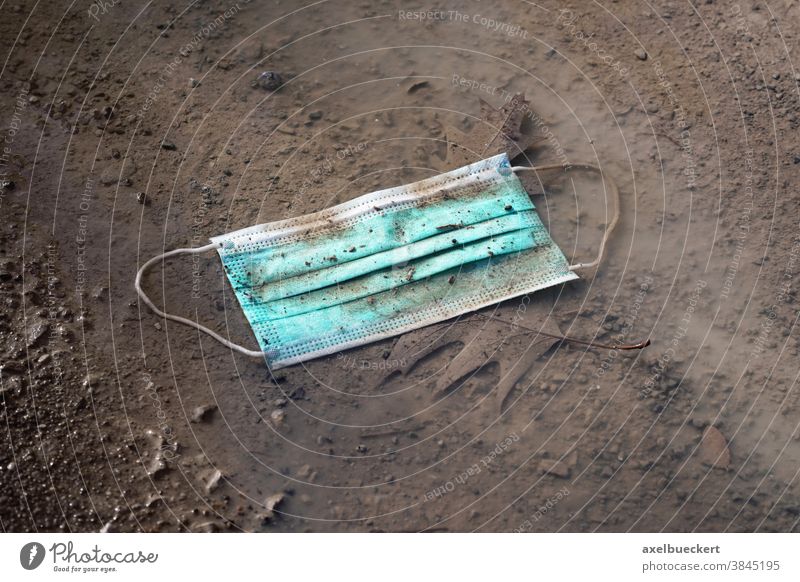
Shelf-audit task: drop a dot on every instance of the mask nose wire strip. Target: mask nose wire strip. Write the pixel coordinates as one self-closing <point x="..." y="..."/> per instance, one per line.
<point x="614" y="194"/>
<point x="183" y="320"/>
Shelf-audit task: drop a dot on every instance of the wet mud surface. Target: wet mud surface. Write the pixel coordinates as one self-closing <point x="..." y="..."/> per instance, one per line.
<point x="129" y="129"/>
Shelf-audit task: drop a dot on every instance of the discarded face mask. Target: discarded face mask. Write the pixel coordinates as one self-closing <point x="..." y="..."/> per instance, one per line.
<point x="388" y="262"/>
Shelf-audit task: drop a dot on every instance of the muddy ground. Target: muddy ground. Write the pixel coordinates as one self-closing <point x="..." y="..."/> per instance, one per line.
<point x="130" y="128"/>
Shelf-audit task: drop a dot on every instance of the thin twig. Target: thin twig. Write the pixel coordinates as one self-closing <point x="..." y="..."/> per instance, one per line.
<point x="592" y="344"/>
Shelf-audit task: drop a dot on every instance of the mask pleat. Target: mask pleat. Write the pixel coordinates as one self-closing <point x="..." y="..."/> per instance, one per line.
<point x="377" y="233"/>
<point x="384" y="280"/>
<point x="342" y="272"/>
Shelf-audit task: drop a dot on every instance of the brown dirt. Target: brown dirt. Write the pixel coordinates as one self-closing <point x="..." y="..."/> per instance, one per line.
<point x="114" y="420"/>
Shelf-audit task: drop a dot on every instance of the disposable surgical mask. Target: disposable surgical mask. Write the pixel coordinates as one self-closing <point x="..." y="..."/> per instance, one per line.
<point x="388" y="262"/>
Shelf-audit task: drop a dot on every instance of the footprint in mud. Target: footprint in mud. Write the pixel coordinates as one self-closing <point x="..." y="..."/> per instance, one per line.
<point x="420" y="368"/>
<point x="474" y="357"/>
<point x="469" y="365"/>
<point x="476" y="384"/>
<point x="431" y="361"/>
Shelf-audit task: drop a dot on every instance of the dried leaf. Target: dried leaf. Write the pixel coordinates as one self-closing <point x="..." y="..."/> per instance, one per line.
<point x="498" y="131"/>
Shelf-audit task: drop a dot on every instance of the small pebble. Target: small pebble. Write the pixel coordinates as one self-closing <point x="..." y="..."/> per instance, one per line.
<point x="269" y="80"/>
<point x="203" y="413"/>
<point x="214" y="482"/>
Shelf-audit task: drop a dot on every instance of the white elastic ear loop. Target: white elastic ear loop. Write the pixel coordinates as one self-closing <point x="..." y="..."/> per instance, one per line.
<point x="183" y="320"/>
<point x="614" y="194"/>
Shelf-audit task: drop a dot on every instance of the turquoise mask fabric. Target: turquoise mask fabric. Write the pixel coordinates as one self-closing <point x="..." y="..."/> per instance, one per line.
<point x="390" y="261"/>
